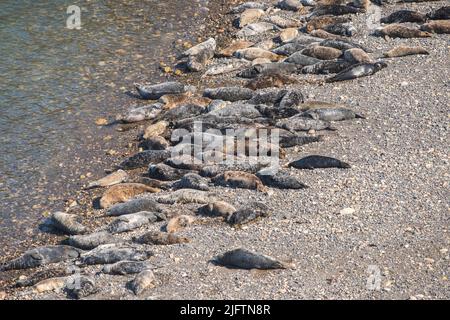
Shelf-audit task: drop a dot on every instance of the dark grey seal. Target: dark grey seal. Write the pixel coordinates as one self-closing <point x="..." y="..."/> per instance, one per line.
<point x="133" y="206"/>
<point x="316" y="162"/>
<point x="245" y="259"/>
<point x="252" y="212"/>
<point x="144" y="158"/>
<point x="357" y="71"/>
<point x="42" y="256"/>
<point x="229" y="93"/>
<point x="156" y="91"/>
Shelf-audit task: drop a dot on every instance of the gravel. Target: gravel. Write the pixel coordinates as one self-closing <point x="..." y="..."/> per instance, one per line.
<point x="387" y="215"/>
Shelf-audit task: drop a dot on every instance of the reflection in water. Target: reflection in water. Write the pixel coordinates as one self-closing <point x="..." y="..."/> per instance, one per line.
<point x="55" y="81"/>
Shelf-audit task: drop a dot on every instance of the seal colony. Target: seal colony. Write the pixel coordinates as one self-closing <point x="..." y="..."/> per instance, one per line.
<point x="272" y="53"/>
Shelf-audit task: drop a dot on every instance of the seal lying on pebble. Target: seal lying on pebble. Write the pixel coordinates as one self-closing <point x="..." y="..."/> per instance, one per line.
<point x="399" y="31"/>
<point x="81" y="287"/>
<point x="249" y="16"/>
<point x="343" y="44"/>
<point x="402" y="51"/>
<point x="357" y="55"/>
<point x="358" y="70"/>
<point x="133" y="206"/>
<point x="322" y="53"/>
<point x="268" y="69"/>
<point x="300" y="123"/>
<point x="316" y="162"/>
<point x="239" y="179"/>
<point x="404" y="16"/>
<point x="114" y="178"/>
<point x="134" y="220"/>
<point x="148" y="112"/>
<point x="51" y="284"/>
<point x="112" y="253"/>
<point x="28" y="281"/>
<point x="160" y="238"/>
<point x="335" y="10"/>
<point x="156" y="91"/>
<point x="165" y="172"/>
<point x="217" y="209"/>
<point x="253" y="211"/>
<point x="276" y="80"/>
<point x="184" y="196"/>
<point x="143" y="281"/>
<point x="229" y="93"/>
<point x="327" y="66"/>
<point x="295" y="140"/>
<point x="144" y="158"/>
<point x="442" y="13"/>
<point x="254" y="29"/>
<point x="320" y="22"/>
<point x="67" y="223"/>
<point x="332" y="114"/>
<point x="92" y="240"/>
<point x="177" y="223"/>
<point x="436" y="26"/>
<point x="280" y="180"/>
<point x="233" y="47"/>
<point x="156" y="129"/>
<point x="123" y="192"/>
<point x="192" y="181"/>
<point x="289" y="5"/>
<point x="126" y="267"/>
<point x="154" y="143"/>
<point x="41" y="256"/>
<point x="301" y="59"/>
<point x="245" y="259"/>
<point x="249" y="5"/>
<point x="341" y="29"/>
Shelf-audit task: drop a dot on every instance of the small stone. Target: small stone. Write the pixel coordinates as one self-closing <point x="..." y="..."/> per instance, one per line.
<point x="3" y="295"/>
<point x="347" y="211"/>
<point x="101" y="122"/>
<point x="429" y="260"/>
<point x="443" y="250"/>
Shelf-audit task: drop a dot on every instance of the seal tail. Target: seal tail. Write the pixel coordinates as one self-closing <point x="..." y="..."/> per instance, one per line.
<point x="345" y="165"/>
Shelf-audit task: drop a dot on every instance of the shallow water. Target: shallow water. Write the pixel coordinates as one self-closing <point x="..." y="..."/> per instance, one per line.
<point x="55" y="81"/>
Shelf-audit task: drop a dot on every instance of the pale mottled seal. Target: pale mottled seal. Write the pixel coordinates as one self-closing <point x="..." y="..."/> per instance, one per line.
<point x="156" y="91"/>
<point x="184" y="196"/>
<point x="148" y="112"/>
<point x="404" y="16"/>
<point x="283" y="22"/>
<point x="343" y="44"/>
<point x="300" y="123"/>
<point x="316" y="162"/>
<point x="51" y="284"/>
<point x="133" y="206"/>
<point x="255" y="29"/>
<point x="143" y="159"/>
<point x="249" y="16"/>
<point x="123" y="192"/>
<point x="156" y="129"/>
<point x="133" y="221"/>
<point x="357" y="71"/>
<point x="402" y="51"/>
<point x="112" y="253"/>
<point x="192" y="181"/>
<point x="116" y="177"/>
<point x="39" y="276"/>
<point x="160" y="238"/>
<point x="208" y="46"/>
<point x="245" y="259"/>
<point x="436" y="26"/>
<point x="42" y="256"/>
<point x="229" y="93"/>
<point x="235" y="46"/>
<point x="254" y="53"/>
<point x="289" y="48"/>
<point x="217" y="209"/>
<point x="126" y="267"/>
<point x="67" y="223"/>
<point x="252" y="212"/>
<point x="332" y="114"/>
<point x="81" y="287"/>
<point x="143" y="281"/>
<point x="268" y="69"/>
<point x="92" y="240"/>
